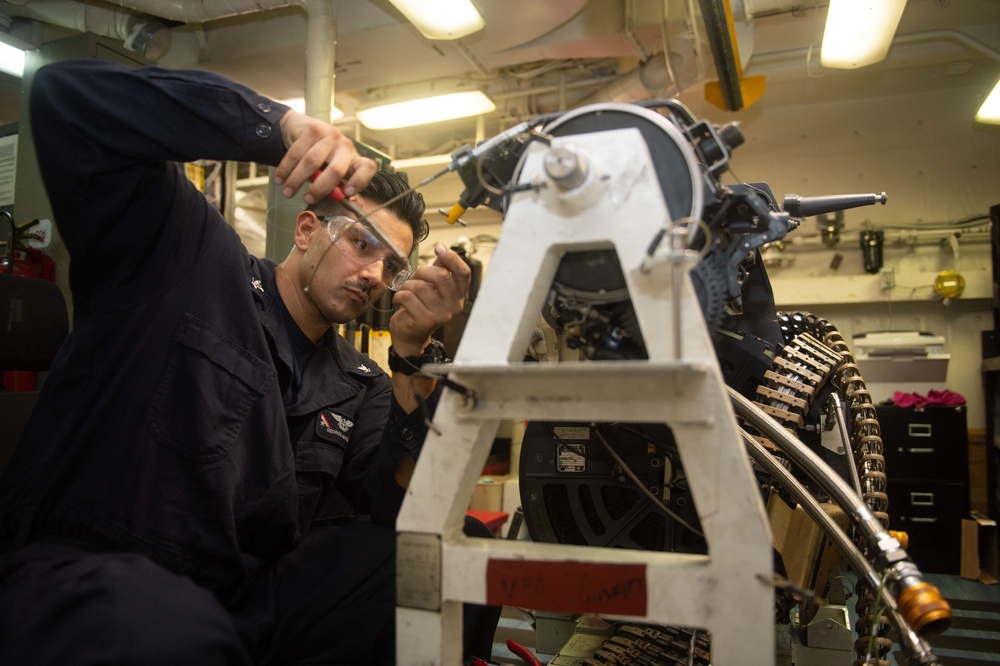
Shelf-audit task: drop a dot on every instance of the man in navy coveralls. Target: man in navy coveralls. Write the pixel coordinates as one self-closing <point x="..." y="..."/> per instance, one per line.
<point x="212" y="474"/>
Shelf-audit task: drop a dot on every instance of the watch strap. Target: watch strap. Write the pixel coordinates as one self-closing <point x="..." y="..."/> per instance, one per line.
<point x="410" y="365"/>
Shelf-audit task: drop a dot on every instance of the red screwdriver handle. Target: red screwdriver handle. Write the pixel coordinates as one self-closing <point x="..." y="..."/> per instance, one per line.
<point x="337" y="194"/>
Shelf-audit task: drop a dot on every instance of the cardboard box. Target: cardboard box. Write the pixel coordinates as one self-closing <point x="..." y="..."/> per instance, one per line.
<point x="978" y="500"/>
<point x="488" y="494"/>
<point x="979" y="549"/>
<point x="805" y="550"/>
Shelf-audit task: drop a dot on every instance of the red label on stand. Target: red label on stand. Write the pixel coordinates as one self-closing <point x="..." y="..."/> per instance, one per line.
<point x="567" y="587"/>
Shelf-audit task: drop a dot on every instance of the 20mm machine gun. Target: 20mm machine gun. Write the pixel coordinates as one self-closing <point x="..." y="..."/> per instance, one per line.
<point x="619" y="230"/>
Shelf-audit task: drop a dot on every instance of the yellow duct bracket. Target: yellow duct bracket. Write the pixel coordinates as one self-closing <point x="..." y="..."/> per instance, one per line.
<point x="732" y="91"/>
<point x="751" y="89"/>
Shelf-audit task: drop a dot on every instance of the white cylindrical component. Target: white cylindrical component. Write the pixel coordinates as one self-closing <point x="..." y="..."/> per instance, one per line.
<point x="565" y="167"/>
<point x="574" y="182"/>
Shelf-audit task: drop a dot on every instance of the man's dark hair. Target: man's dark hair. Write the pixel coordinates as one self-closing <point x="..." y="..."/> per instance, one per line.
<point x="386" y="185"/>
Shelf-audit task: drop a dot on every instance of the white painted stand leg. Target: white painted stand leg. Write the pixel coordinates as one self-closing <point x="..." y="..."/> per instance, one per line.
<point x="727" y="592"/>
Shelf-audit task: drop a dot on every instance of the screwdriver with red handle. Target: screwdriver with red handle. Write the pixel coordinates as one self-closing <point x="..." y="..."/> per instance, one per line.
<point x="341" y="198"/>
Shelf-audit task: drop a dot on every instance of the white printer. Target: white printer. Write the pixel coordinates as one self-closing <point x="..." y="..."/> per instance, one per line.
<point x="906" y="361"/>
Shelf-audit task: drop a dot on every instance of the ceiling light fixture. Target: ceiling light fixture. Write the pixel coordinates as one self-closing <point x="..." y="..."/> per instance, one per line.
<point x="859" y="32"/>
<point x="11" y="60"/>
<point x="989" y="112"/>
<point x="426" y="110"/>
<point x="441" y="19"/>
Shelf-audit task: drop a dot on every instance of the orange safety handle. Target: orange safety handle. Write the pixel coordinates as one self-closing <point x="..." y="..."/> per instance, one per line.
<point x="924" y="609"/>
<point x="454" y="213"/>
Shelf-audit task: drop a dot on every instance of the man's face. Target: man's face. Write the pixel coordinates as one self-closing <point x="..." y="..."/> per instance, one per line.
<point x="342" y="287"/>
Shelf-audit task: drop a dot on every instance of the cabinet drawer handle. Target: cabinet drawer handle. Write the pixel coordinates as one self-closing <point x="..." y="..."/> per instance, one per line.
<point x="918" y="429"/>
<point x="923" y="520"/>
<point x="922" y="499"/>
<point x="919" y="449"/>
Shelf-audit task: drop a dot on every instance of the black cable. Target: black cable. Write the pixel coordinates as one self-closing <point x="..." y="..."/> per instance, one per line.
<point x="632" y="477"/>
<point x="10" y="246"/>
<point x="671" y="453"/>
<point x="657" y="502"/>
<point x="442" y="379"/>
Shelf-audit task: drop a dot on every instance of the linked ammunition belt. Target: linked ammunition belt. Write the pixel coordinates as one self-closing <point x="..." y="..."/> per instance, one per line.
<point x="866" y="443"/>
<point x="651" y="645"/>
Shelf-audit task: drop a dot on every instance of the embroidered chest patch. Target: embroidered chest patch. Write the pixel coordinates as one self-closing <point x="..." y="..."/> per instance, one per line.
<point x="332" y="426"/>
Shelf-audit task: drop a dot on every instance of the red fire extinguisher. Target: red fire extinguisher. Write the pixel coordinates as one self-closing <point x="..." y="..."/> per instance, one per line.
<point x="27" y="261"/>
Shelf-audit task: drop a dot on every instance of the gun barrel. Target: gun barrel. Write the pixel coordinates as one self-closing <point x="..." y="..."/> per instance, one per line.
<point x="797" y="206"/>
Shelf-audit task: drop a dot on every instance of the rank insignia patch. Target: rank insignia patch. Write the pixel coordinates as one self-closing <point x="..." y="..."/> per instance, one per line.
<point x="332" y="426"/>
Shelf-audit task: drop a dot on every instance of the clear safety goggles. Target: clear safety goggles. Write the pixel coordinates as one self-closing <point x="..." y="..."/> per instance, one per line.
<point x="362" y="244"/>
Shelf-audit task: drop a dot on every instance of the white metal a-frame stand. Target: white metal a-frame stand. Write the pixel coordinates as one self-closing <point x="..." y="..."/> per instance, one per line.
<point x="727" y="592"/>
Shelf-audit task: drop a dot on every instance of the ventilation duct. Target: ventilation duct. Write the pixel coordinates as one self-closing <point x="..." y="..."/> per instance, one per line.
<point x="142" y="34"/>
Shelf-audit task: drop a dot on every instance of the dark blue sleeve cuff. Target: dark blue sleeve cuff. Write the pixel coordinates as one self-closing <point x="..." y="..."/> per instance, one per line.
<point x="404" y="436"/>
<point x="406" y="432"/>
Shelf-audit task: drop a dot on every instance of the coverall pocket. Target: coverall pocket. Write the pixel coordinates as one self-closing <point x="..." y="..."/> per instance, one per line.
<point x="206" y="391"/>
<point x="320" y="458"/>
<point x="318" y="465"/>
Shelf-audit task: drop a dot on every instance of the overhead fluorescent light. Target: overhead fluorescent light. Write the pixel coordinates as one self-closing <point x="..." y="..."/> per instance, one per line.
<point x="441" y="19"/>
<point x="299" y="104"/>
<point x="989" y="112"/>
<point x="859" y="32"/>
<point x="11" y="60"/>
<point x="426" y="110"/>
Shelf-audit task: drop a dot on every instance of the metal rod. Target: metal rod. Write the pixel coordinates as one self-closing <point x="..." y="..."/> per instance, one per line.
<point x="915" y="646"/>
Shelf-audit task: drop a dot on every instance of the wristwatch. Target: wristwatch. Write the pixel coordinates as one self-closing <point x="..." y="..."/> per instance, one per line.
<point x="410" y="365"/>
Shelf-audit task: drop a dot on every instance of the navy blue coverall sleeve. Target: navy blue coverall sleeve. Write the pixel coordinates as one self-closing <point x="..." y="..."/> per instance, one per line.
<point x="99" y="154"/>
<point x="404" y="436"/>
<point x="163" y="429"/>
<point x="118" y="149"/>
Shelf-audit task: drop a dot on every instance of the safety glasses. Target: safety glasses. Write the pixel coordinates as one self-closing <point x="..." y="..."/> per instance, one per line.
<point x="362" y="244"/>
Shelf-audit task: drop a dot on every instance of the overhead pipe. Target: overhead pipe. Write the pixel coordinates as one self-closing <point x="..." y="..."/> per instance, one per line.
<point x="119" y="20"/>
<point x="650" y="79"/>
<point x="763" y="61"/>
<point x="134" y="22"/>
<point x="321" y="55"/>
<point x="321" y="47"/>
<point x="949" y="35"/>
<point x="142" y="34"/>
<point x="659" y="75"/>
<point x="321" y="36"/>
<point x="206" y="10"/>
<point x="753" y="8"/>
